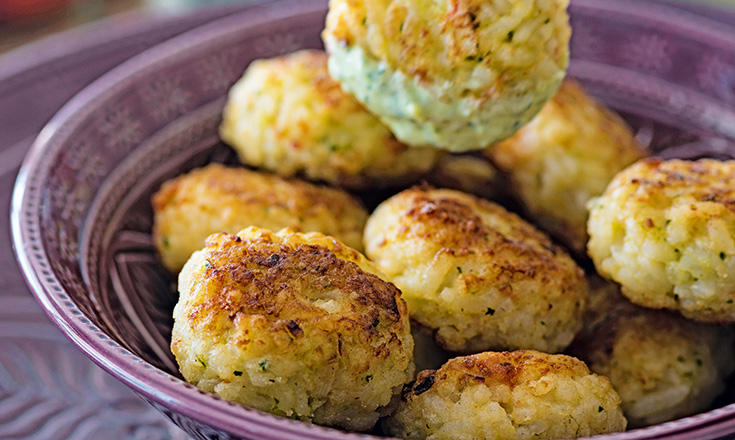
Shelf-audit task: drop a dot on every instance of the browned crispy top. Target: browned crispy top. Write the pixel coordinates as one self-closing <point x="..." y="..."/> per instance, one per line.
<point x="496" y="368"/>
<point x="288" y="286"/>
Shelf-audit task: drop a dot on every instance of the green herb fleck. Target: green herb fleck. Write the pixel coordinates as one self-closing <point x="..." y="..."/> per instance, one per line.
<point x="699" y="362"/>
<point x="263" y="364"/>
<point x="509" y="37"/>
<point x="722" y="255"/>
<point x="368" y="378"/>
<point x="165" y="241"/>
<point x="688" y="374"/>
<point x="600" y="409"/>
<point x="201" y="361"/>
<point x="237" y="373"/>
<point x="680" y="358"/>
<point x="490" y="311"/>
<point x="376" y="321"/>
<point x="459" y="269"/>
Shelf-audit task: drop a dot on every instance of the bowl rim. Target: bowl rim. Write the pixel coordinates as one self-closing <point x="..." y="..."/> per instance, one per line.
<point x="171" y="392"/>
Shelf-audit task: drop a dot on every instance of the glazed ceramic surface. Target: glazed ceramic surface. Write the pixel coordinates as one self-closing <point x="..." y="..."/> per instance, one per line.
<point x="81" y="212"/>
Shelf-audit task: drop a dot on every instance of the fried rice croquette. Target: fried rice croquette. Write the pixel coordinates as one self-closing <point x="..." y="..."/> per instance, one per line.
<point x="663" y="365"/>
<point x="477" y="275"/>
<point x="665" y="231"/>
<point x="517" y="395"/>
<point x="217" y="198"/>
<point x="458" y="74"/>
<point x="293" y="324"/>
<point x="288" y="116"/>
<point x="566" y="155"/>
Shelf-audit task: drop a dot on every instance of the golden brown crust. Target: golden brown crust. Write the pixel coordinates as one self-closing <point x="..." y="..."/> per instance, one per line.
<point x="453" y="224"/>
<point x="218" y="198"/>
<point x="437" y="41"/>
<point x="509" y="395"/>
<point x="478" y="275"/>
<point x="289" y="116"/>
<point x="704" y="181"/>
<point x="274" y="280"/>
<point x="665" y="231"/>
<point x="496" y="368"/>
<point x="566" y="155"/>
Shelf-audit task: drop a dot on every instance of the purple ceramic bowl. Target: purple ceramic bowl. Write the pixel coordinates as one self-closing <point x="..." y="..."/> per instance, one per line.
<point x="81" y="215"/>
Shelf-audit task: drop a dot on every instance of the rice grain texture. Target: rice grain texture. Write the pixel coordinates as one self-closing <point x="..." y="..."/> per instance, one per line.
<point x="297" y="325"/>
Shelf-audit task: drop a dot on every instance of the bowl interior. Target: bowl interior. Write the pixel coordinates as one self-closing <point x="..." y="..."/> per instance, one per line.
<point x="82" y="213"/>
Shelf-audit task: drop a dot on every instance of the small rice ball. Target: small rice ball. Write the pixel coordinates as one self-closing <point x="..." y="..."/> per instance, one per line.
<point x="457" y="75"/>
<point x="518" y="395"/>
<point x="293" y="324"/>
<point x="566" y="155"/>
<point x="288" y="116"/>
<point x="477" y="275"/>
<point x="665" y="231"/>
<point x="662" y="365"/>
<point x="217" y="198"/>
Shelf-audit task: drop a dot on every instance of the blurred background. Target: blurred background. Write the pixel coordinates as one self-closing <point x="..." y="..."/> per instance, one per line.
<point x="22" y="21"/>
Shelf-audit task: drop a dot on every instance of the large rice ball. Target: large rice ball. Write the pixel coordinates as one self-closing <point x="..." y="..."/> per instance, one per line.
<point x="458" y="75"/>
<point x="665" y="231"/>
<point x="287" y="115"/>
<point x="216" y="198"/>
<point x="294" y="324"/>
<point x="480" y="277"/>
<point x="518" y="395"/>
<point x="662" y="365"/>
<point x="566" y="155"/>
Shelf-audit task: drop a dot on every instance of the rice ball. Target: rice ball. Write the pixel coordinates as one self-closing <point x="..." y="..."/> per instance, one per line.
<point x="518" y="395"/>
<point x="297" y="325"/>
<point x="662" y="365"/>
<point x="479" y="276"/>
<point x="288" y="116"/>
<point x="566" y="155"/>
<point x="217" y="198"/>
<point x="665" y="231"/>
<point x="457" y="75"/>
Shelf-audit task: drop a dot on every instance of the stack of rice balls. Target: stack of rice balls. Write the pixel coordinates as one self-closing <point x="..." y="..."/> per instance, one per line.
<point x="441" y="314"/>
